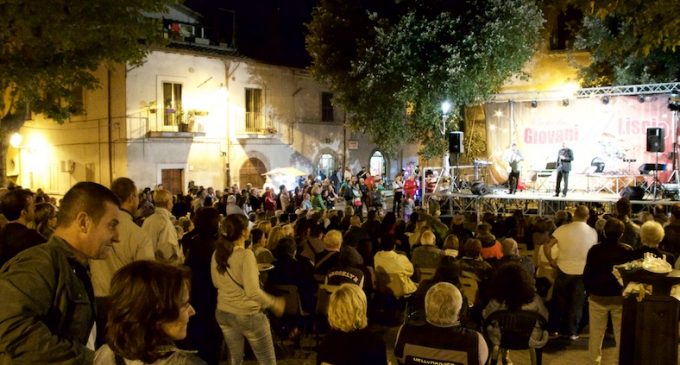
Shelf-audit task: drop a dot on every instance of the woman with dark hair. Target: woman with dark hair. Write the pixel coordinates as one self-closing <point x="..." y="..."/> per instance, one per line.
<point x="199" y="246"/>
<point x="513" y="288"/>
<point x="240" y="301"/>
<point x="449" y="271"/>
<point x="45" y="219"/>
<point x="149" y="311"/>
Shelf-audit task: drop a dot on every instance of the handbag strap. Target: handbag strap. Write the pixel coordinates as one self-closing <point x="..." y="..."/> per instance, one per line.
<point x="234" y="280"/>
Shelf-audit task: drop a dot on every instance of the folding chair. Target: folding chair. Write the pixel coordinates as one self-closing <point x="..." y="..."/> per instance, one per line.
<point x="512" y="330"/>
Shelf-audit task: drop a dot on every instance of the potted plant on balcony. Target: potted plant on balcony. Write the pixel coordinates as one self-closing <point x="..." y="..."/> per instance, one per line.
<point x="183" y="120"/>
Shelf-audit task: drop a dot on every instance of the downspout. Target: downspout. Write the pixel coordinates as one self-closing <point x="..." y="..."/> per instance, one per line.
<point x="110" y="122"/>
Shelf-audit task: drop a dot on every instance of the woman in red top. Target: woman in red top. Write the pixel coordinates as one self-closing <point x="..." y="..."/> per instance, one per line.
<point x="269" y="202"/>
<point x="410" y="187"/>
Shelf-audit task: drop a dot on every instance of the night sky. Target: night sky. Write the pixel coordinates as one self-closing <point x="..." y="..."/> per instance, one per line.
<point x="268" y="30"/>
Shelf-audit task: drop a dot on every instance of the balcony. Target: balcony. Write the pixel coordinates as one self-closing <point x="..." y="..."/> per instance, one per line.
<point x="256" y="126"/>
<point x="193" y="36"/>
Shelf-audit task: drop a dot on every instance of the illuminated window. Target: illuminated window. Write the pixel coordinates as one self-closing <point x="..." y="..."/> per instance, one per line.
<point x="327" y="107"/>
<point x="254" y="114"/>
<point x="326" y="164"/>
<point x="172" y="103"/>
<point x="377" y="164"/>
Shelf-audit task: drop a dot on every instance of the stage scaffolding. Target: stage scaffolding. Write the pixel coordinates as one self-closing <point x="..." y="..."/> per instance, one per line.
<point x="529" y="204"/>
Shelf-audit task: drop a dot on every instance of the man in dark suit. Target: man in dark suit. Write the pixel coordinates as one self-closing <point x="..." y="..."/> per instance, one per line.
<point x="564" y="158"/>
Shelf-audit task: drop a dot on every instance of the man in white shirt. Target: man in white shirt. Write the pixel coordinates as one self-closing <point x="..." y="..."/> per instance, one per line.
<point x="160" y="227"/>
<point x="390" y="262"/>
<point x="134" y="244"/>
<point x="573" y="240"/>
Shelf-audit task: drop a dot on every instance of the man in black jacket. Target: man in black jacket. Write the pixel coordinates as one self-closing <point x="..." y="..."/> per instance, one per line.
<point x="18" y="207"/>
<point x="564" y="158"/>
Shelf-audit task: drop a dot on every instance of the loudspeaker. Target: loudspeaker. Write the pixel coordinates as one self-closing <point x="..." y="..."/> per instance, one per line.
<point x="655" y="139"/>
<point x="633" y="193"/>
<point x="478" y="188"/>
<point x="456" y="142"/>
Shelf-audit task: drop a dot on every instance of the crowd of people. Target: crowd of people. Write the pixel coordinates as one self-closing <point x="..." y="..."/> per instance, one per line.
<point x="117" y="275"/>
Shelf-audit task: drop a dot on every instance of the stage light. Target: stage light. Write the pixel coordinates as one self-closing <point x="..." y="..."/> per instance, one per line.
<point x="641" y="98"/>
<point x="534" y="104"/>
<point x="674" y="101"/>
<point x="605" y="99"/>
<point x="498" y="113"/>
<point x="565" y="102"/>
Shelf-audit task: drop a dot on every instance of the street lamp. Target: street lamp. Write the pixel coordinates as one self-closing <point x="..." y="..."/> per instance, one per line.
<point x="446" y="106"/>
<point x="446" y="164"/>
<point x="15" y="140"/>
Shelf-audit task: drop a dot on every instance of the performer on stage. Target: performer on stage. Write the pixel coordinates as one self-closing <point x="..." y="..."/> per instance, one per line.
<point x="513" y="157"/>
<point x="564" y="158"/>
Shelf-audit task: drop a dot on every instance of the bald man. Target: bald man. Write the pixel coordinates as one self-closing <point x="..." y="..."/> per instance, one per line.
<point x="162" y="230"/>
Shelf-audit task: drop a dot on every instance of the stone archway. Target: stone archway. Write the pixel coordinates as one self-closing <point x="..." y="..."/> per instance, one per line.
<point x="378" y="164"/>
<point x="326" y="165"/>
<point x="251" y="172"/>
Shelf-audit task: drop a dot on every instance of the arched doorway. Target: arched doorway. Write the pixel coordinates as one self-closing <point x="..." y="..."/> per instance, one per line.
<point x="251" y="172"/>
<point x="326" y="165"/>
<point x="377" y="165"/>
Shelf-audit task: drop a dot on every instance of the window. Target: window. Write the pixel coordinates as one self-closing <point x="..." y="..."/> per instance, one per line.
<point x="172" y="103"/>
<point x="327" y="107"/>
<point x="77" y="101"/>
<point x="326" y="165"/>
<point x="377" y="165"/>
<point x="566" y="26"/>
<point x="254" y="114"/>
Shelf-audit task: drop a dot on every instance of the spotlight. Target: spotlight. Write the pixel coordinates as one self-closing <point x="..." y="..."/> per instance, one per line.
<point x="605" y="99"/>
<point x="534" y="103"/>
<point x="565" y="102"/>
<point x="641" y="98"/>
<point x="674" y="101"/>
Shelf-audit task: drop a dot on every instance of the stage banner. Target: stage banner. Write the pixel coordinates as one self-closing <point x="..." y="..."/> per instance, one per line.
<point x="608" y="137"/>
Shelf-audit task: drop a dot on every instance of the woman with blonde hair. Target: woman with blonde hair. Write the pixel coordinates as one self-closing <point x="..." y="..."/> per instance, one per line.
<point x="275" y="235"/>
<point x="349" y="341"/>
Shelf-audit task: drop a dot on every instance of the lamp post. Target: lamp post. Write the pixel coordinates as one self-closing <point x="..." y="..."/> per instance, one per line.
<point x="446" y="107"/>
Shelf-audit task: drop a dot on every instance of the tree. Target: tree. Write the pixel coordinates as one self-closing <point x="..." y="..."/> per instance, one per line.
<point x="631" y="42"/>
<point x="49" y="49"/>
<point x="392" y="64"/>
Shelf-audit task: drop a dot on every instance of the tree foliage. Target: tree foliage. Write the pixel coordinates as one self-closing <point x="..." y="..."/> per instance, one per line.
<point x="49" y="49"/>
<point x="392" y="63"/>
<point x="631" y="42"/>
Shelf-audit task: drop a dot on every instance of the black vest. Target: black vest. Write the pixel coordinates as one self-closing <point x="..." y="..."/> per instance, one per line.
<point x="421" y="343"/>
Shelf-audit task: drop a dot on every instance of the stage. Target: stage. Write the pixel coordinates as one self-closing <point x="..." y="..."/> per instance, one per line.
<point x="530" y="202"/>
